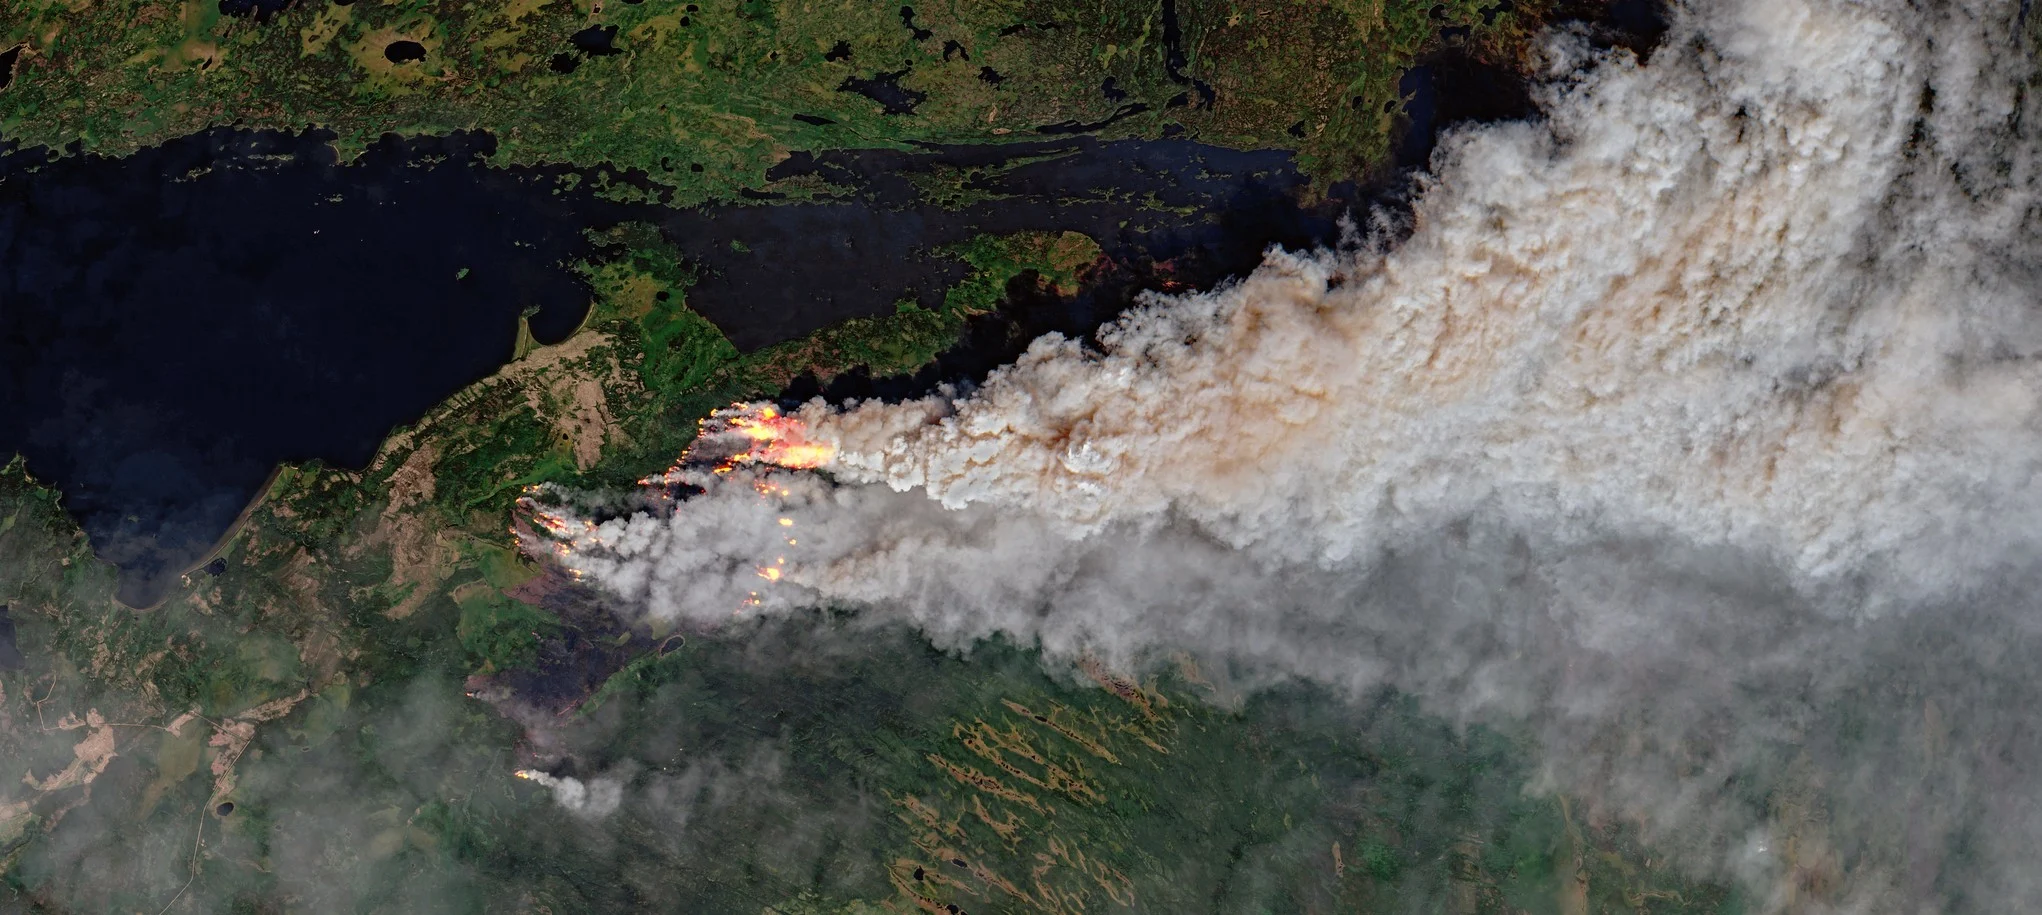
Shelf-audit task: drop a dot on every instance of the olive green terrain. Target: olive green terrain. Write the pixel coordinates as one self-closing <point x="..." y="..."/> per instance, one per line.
<point x="347" y="678"/>
<point x="703" y="97"/>
<point x="329" y="716"/>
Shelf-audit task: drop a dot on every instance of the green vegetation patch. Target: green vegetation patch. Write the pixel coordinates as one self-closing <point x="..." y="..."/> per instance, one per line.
<point x="703" y="98"/>
<point x="497" y="632"/>
<point x="307" y="728"/>
<point x="314" y="687"/>
<point x="900" y="343"/>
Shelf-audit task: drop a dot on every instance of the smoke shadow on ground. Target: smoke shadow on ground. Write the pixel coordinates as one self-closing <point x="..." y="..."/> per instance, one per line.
<point x="10" y="650"/>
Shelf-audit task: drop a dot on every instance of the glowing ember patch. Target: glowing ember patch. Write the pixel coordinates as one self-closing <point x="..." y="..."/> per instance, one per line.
<point x="767" y="436"/>
<point x="736" y="437"/>
<point x="799" y="455"/>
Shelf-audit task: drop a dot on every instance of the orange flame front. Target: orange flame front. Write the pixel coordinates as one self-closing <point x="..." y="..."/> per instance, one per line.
<point x="776" y="438"/>
<point x="740" y="435"/>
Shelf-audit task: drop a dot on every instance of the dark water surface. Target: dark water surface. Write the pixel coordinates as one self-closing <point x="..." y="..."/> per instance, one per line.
<point x="1185" y="212"/>
<point x="175" y="324"/>
<point x="10" y="653"/>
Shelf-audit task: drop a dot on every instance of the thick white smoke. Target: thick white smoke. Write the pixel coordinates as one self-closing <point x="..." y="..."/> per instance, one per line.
<point x="1694" y="427"/>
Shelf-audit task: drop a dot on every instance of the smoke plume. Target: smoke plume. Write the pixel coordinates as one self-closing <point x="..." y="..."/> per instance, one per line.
<point x="595" y="798"/>
<point x="1692" y="427"/>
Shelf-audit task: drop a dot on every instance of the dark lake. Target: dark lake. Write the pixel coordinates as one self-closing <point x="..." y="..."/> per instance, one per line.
<point x="10" y="652"/>
<point x="176" y="323"/>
